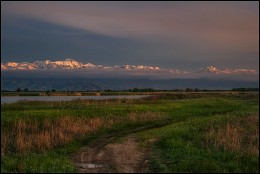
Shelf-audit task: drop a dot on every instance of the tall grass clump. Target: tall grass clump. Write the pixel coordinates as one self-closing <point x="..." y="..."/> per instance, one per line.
<point x="238" y="135"/>
<point x="29" y="136"/>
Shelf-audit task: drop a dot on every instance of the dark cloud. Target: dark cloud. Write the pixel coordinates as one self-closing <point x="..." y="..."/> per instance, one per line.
<point x="169" y="34"/>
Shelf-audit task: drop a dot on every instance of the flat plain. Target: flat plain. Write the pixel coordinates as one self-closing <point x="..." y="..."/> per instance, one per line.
<point x="165" y="132"/>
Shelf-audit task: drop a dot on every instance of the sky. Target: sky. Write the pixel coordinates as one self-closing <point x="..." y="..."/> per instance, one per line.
<point x="181" y="35"/>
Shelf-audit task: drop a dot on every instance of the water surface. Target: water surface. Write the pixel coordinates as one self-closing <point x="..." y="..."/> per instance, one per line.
<point x="13" y="99"/>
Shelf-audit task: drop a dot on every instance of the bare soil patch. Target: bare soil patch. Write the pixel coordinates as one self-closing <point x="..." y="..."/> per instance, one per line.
<point x="126" y="156"/>
<point x="105" y="156"/>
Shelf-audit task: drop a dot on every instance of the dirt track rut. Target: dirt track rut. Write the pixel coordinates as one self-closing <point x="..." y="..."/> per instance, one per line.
<point x="106" y="156"/>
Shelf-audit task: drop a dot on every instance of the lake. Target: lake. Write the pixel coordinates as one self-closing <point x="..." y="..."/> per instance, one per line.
<point x="13" y="99"/>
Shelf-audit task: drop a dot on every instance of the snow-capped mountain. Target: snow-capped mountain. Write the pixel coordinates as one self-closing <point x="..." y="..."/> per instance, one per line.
<point x="47" y="64"/>
<point x="72" y="64"/>
<point x="210" y="69"/>
<point x="214" y="70"/>
<point x="234" y="71"/>
<point x="138" y="67"/>
<point x="66" y="64"/>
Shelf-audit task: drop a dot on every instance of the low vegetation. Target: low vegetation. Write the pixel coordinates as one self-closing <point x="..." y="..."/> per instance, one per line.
<point x="202" y="132"/>
<point x="221" y="143"/>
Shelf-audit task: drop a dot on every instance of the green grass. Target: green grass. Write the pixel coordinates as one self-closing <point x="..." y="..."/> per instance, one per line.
<point x="36" y="163"/>
<point x="180" y="147"/>
<point x="185" y="146"/>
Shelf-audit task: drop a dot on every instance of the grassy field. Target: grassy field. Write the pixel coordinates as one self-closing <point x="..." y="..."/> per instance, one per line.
<point x="199" y="132"/>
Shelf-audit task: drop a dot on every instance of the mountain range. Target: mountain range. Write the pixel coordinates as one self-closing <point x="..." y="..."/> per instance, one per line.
<point x="72" y="75"/>
<point x="94" y="84"/>
<point x="71" y="64"/>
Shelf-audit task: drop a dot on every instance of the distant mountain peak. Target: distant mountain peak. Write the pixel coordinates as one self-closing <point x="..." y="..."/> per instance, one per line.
<point x="70" y="60"/>
<point x="210" y="69"/>
<point x="72" y="64"/>
<point x="214" y="70"/>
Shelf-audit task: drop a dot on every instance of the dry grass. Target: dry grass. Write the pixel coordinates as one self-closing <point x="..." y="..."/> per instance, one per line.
<point x="26" y="136"/>
<point x="241" y="135"/>
<point x="29" y="136"/>
<point x="4" y="142"/>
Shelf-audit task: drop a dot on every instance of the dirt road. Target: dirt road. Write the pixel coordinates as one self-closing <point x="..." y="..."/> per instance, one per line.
<point x="110" y="154"/>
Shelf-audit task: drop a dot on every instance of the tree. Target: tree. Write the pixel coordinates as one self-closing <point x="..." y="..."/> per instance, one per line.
<point x="196" y="90"/>
<point x="188" y="90"/>
<point x="135" y="90"/>
<point x="26" y="90"/>
<point x="18" y="89"/>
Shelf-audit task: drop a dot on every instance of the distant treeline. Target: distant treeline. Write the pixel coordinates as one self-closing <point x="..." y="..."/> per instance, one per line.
<point x="245" y="89"/>
<point x="140" y="90"/>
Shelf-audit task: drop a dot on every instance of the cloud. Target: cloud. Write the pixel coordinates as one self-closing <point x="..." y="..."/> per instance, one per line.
<point x="214" y="21"/>
<point x="224" y="31"/>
